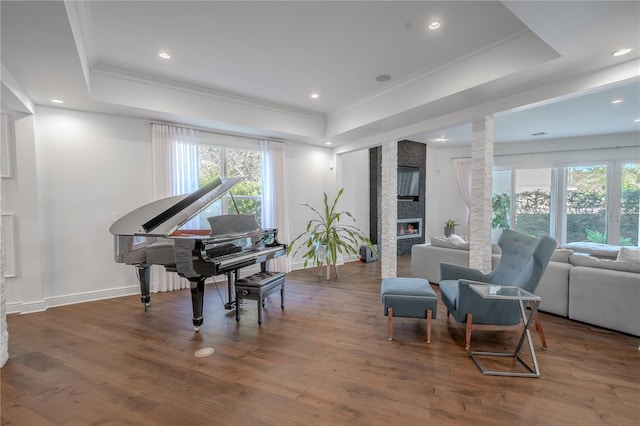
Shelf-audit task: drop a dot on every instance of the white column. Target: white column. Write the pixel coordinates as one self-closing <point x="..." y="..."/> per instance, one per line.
<point x="481" y="180"/>
<point x="389" y="208"/>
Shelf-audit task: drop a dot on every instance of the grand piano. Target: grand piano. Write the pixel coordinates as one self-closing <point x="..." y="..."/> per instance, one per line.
<point x="153" y="235"/>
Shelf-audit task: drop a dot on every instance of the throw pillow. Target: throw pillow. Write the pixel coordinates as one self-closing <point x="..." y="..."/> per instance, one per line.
<point x="628" y="254"/>
<point x="457" y="239"/>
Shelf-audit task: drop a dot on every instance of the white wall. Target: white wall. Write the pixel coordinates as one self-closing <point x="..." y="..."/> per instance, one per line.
<point x="444" y="200"/>
<point x="355" y="181"/>
<point x="95" y="167"/>
<point x="75" y="172"/>
<point x="308" y="178"/>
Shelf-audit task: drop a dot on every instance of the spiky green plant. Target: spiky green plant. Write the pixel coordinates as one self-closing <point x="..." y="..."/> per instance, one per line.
<point x="325" y="237"/>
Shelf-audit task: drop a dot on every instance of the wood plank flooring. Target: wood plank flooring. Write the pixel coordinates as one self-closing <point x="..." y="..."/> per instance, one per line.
<point x="324" y="360"/>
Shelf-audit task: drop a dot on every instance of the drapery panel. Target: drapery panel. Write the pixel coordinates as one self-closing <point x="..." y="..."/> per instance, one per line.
<point x="274" y="199"/>
<point x="175" y="171"/>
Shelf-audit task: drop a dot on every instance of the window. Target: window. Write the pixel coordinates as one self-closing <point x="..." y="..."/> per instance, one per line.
<point x="592" y="202"/>
<point x="533" y="201"/>
<point x="586" y="203"/>
<point x="246" y="196"/>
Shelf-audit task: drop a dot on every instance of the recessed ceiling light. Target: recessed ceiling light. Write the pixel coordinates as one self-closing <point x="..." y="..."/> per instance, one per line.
<point x="314" y="96"/>
<point x="617" y="101"/>
<point x="383" y="77"/>
<point x="434" y="25"/>
<point x="327" y="143"/>
<point x="57" y="101"/>
<point x="621" y="52"/>
<point x="164" y="55"/>
<point x="440" y="140"/>
<point x="637" y="120"/>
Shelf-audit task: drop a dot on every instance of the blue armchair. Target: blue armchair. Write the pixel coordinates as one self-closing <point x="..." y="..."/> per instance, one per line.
<point x="523" y="261"/>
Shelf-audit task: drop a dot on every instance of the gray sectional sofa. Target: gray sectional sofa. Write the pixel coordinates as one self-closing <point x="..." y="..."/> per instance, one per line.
<point x="600" y="291"/>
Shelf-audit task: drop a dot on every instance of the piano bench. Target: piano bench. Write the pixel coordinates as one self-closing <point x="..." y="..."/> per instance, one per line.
<point x="257" y="287"/>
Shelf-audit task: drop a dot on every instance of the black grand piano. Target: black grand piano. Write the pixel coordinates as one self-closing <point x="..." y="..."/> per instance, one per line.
<point x="153" y="235"/>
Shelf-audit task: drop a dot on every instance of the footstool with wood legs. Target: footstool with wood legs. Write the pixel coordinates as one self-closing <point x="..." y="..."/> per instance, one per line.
<point x="410" y="298"/>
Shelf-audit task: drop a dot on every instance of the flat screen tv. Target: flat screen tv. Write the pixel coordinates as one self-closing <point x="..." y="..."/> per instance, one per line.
<point x="408" y="183"/>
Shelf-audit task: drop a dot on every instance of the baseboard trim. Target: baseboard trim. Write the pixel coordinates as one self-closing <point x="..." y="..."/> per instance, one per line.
<point x="300" y="265"/>
<point x="91" y="296"/>
<point x="70" y="299"/>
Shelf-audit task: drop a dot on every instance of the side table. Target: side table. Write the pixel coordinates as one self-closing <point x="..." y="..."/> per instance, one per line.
<point x="510" y="294"/>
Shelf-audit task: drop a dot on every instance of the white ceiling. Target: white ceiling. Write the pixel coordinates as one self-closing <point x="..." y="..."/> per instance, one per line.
<point x="250" y="67"/>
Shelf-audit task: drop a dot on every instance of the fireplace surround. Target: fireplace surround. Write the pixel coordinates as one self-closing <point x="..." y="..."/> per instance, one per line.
<point x="409" y="228"/>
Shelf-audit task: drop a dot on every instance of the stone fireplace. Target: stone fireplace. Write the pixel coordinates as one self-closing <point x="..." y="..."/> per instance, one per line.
<point x="411" y="155"/>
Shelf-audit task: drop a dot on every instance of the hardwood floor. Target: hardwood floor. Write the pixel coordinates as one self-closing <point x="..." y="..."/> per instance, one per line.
<point x="324" y="360"/>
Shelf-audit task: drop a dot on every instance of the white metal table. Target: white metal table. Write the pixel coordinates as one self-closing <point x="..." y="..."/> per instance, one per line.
<point x="510" y="293"/>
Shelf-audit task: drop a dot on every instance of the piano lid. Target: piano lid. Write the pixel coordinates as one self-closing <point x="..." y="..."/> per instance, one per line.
<point x="162" y="217"/>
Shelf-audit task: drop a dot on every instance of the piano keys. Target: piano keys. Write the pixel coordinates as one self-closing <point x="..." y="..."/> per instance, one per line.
<point x="153" y="235"/>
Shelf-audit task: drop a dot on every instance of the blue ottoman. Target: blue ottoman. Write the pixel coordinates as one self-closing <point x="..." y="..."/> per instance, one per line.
<point x="410" y="298"/>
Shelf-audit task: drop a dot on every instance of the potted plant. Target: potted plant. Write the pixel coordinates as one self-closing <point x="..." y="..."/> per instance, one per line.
<point x="325" y="237"/>
<point x="450" y="227"/>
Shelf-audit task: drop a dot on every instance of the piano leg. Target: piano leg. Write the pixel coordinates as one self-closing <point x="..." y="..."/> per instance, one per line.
<point x="197" y="300"/>
<point x="144" y="276"/>
<point x="231" y="277"/>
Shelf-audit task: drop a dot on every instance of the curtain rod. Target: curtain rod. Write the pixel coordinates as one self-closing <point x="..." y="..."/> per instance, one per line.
<point x="553" y="152"/>
<point x="216" y="132"/>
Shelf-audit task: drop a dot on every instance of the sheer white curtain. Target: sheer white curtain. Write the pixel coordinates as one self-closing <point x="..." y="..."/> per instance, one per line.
<point x="462" y="167"/>
<point x="274" y="199"/>
<point x="175" y="171"/>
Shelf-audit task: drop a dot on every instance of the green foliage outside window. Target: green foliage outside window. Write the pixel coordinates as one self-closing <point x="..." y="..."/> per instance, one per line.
<point x="501" y="203"/>
<point x="599" y="237"/>
<point x="586" y="202"/>
<point x="219" y="161"/>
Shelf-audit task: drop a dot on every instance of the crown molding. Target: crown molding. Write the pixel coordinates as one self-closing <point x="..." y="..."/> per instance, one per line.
<point x="79" y="15"/>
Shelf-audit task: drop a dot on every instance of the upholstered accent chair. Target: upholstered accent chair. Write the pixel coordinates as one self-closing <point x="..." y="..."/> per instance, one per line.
<point x="523" y="261"/>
